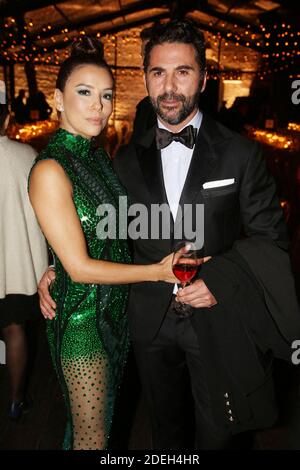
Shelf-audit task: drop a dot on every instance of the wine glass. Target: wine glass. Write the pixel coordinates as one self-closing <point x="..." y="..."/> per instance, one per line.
<point x="185" y="266"/>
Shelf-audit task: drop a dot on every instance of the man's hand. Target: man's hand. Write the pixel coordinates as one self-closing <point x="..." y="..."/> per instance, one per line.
<point x="47" y="304"/>
<point x="197" y="295"/>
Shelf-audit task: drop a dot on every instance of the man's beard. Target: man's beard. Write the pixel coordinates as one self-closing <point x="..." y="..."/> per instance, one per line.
<point x="189" y="103"/>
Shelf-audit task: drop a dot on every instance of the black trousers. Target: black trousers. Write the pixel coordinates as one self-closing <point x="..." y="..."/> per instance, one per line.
<point x="172" y="375"/>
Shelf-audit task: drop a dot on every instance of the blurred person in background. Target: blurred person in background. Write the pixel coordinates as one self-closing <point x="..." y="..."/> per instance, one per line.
<point x="20" y="108"/>
<point x="23" y="255"/>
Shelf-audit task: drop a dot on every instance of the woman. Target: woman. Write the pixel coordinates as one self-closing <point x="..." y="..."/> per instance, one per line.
<point x="23" y="255"/>
<point x="88" y="336"/>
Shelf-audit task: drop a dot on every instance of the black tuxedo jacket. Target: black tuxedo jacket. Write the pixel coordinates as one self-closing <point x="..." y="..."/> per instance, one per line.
<point x="248" y="207"/>
<point x="257" y="315"/>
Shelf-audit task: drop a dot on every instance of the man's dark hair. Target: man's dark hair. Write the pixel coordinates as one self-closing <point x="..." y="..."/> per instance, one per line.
<point x="182" y="31"/>
<point x="4" y="112"/>
<point x="146" y="34"/>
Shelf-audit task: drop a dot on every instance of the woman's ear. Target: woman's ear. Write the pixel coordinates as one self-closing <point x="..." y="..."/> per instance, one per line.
<point x="58" y="100"/>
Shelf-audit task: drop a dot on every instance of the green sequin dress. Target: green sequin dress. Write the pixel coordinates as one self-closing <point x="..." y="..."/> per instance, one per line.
<point x="89" y="337"/>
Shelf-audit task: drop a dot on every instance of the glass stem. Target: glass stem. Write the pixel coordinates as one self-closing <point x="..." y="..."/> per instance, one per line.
<point x="182" y="285"/>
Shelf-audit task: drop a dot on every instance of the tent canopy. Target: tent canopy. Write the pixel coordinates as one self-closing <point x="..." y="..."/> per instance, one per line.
<point x="42" y="30"/>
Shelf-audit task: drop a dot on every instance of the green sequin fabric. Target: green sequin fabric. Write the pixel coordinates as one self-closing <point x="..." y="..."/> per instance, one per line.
<point x="89" y="337"/>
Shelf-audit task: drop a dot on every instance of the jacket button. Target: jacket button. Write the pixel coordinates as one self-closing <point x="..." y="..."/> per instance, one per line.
<point x="226" y="395"/>
<point x="227" y="403"/>
<point x="230" y="418"/>
<point x="230" y="412"/>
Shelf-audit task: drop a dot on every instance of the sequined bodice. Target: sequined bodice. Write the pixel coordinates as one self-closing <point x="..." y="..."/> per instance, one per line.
<point x="94" y="183"/>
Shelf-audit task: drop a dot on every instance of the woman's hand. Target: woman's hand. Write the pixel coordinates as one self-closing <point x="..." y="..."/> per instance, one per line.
<point x="47" y="304"/>
<point x="165" y="270"/>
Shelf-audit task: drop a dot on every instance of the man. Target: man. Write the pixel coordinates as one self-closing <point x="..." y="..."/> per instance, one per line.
<point x="23" y="254"/>
<point x="223" y="353"/>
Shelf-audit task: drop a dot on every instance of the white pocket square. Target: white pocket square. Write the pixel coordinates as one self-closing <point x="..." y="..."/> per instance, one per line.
<point x="218" y="183"/>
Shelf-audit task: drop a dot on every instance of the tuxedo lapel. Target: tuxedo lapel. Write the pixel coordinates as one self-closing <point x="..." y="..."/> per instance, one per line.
<point x="150" y="163"/>
<point x="202" y="163"/>
<point x="151" y="166"/>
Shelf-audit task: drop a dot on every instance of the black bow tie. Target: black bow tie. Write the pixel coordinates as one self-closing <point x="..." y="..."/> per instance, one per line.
<point x="186" y="137"/>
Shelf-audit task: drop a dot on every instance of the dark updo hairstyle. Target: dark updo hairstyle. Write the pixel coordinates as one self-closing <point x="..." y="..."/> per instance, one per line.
<point x="183" y="31"/>
<point x="85" y="51"/>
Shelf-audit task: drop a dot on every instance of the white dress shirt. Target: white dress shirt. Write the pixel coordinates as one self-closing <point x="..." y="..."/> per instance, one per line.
<point x="176" y="159"/>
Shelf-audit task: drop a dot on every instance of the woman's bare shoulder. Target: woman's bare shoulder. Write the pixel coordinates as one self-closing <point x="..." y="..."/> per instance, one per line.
<point x="48" y="171"/>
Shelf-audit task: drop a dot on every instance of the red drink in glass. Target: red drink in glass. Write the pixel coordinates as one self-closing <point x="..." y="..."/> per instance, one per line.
<point x="184" y="272"/>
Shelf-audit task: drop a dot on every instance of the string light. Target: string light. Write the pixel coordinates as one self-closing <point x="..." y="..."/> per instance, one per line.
<point x="269" y="36"/>
<point x="273" y="138"/>
<point x="29" y="131"/>
<point x="293" y="126"/>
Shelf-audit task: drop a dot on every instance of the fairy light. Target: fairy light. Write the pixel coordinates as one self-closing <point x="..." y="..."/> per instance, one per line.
<point x="29" y="131"/>
<point x="277" y="36"/>
<point x="274" y="139"/>
<point x="293" y="126"/>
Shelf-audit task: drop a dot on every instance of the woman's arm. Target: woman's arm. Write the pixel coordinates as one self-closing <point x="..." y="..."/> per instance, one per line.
<point x="50" y="193"/>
